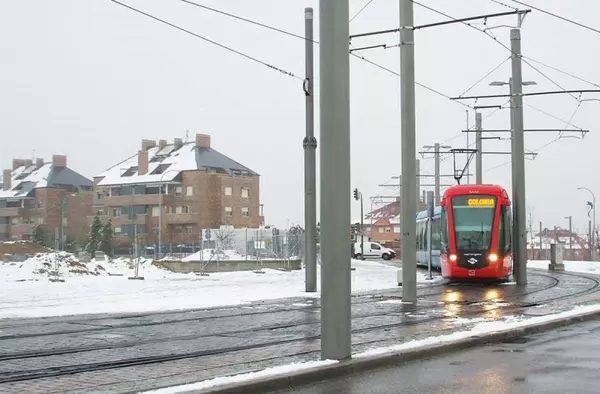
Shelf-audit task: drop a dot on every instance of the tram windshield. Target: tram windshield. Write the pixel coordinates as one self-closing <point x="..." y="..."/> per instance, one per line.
<point x="473" y="221"/>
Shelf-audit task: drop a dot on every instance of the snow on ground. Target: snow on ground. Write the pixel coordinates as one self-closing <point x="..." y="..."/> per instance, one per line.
<point x="592" y="267"/>
<point x="26" y="291"/>
<point x="506" y="324"/>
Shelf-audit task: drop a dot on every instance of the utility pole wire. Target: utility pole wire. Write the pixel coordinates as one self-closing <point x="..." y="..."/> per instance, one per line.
<point x="484" y="77"/>
<point x="290" y="74"/>
<point x="361" y="10"/>
<point x="246" y="20"/>
<point x="487" y="34"/>
<point x="398" y="74"/>
<point x="561" y="71"/>
<point x="559" y="17"/>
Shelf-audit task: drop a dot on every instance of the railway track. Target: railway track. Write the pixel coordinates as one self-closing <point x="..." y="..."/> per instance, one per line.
<point x="512" y="302"/>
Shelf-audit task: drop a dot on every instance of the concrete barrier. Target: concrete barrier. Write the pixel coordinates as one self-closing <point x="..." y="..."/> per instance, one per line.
<point x="186" y="267"/>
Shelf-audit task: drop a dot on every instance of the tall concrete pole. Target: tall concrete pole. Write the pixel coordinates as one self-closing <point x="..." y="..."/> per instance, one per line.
<point x="409" y="205"/>
<point x="518" y="157"/>
<point x="418" y="181"/>
<point x="478" y="146"/>
<point x="570" y="235"/>
<point x="310" y="167"/>
<point x="335" y="191"/>
<point x="436" y="159"/>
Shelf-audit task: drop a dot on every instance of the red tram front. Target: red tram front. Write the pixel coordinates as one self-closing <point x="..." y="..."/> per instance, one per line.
<point x="476" y="233"/>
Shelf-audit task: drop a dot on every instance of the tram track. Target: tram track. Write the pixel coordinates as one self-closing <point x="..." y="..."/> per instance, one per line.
<point x="480" y="310"/>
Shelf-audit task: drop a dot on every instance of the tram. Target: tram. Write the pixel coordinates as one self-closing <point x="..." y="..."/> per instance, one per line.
<point x="470" y="233"/>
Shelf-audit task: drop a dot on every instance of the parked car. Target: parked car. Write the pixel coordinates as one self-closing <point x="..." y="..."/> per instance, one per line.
<point x="372" y="250"/>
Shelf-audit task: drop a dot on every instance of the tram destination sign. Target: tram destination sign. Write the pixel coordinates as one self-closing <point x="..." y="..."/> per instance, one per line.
<point x="472" y="201"/>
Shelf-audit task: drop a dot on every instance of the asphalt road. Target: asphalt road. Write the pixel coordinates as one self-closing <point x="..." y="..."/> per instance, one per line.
<point x="561" y="361"/>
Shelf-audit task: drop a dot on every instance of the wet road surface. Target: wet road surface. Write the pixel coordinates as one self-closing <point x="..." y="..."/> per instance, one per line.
<point x="127" y="353"/>
<point x="562" y="361"/>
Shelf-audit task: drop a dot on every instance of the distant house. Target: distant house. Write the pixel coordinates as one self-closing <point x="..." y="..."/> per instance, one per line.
<point x="538" y="244"/>
<point x="48" y="194"/>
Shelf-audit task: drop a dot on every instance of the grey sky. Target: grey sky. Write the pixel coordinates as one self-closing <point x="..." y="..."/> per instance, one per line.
<point x="90" y="79"/>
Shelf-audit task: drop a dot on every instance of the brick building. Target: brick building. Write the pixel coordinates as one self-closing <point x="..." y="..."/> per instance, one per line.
<point x="186" y="187"/>
<point x="45" y="194"/>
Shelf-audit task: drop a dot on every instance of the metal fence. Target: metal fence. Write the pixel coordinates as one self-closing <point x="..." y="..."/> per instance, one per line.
<point x="244" y="244"/>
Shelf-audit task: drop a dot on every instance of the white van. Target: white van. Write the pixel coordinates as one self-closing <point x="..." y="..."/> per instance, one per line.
<point x="373" y="250"/>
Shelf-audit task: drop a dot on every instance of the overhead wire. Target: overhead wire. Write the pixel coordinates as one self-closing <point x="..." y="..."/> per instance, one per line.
<point x="484" y="77"/>
<point x="361" y="10"/>
<point x="249" y="57"/>
<point x="559" y="17"/>
<point x="245" y="19"/>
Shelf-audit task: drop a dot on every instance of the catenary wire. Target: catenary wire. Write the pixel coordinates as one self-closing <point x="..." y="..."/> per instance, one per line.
<point x="245" y="19"/>
<point x="361" y="10"/>
<point x="484" y="77"/>
<point x="288" y="73"/>
<point x="559" y="17"/>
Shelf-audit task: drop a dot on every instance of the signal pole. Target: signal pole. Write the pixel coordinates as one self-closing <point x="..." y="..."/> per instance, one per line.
<point x="518" y="157"/>
<point x="335" y="196"/>
<point x="407" y="99"/>
<point x="310" y="167"/>
<point x="358" y="195"/>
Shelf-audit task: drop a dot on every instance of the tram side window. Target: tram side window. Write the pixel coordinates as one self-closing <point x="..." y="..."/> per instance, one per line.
<point x="435" y="234"/>
<point x="444" y="229"/>
<point x="505" y="229"/>
<point x="419" y="238"/>
<point x="424" y="234"/>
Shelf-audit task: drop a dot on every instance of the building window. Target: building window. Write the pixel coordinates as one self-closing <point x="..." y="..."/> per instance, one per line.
<point x="178" y="191"/>
<point x="161" y="168"/>
<point x="40" y="204"/>
<point x="117" y="230"/>
<point x="381" y="229"/>
<point x="189" y="191"/>
<point x="188" y="229"/>
<point x="245" y="212"/>
<point x="117" y="212"/>
<point x="228" y="211"/>
<point x="245" y="192"/>
<point x="178" y="209"/>
<point x="228" y="191"/>
<point x="15" y="220"/>
<point x="156" y="210"/>
<point x="388" y="229"/>
<point x="396" y="229"/>
<point x="130" y="171"/>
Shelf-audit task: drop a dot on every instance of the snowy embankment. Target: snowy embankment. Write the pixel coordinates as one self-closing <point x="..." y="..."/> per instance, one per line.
<point x="26" y="291"/>
<point x="592" y="267"/>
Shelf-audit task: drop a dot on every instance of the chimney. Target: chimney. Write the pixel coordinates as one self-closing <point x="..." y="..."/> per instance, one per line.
<point x="6" y="178"/>
<point x="178" y="143"/>
<point x="39" y="162"/>
<point x="59" y="161"/>
<point x="17" y="163"/>
<point x="202" y="141"/>
<point x="147" y="144"/>
<point x="142" y="162"/>
<point x="162" y="144"/>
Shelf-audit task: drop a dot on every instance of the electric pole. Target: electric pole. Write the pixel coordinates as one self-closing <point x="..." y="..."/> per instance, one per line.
<point x="335" y="196"/>
<point x="518" y="158"/>
<point x="407" y="99"/>
<point x="478" y="146"/>
<point x="570" y="218"/>
<point x="310" y="168"/>
<point x="418" y="181"/>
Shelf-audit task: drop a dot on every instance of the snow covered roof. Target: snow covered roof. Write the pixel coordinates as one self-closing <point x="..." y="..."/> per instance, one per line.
<point x="165" y="163"/>
<point x="26" y="178"/>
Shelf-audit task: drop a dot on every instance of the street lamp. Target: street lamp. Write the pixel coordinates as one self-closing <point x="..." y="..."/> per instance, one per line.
<point x="593" y="229"/>
<point x="502" y="83"/>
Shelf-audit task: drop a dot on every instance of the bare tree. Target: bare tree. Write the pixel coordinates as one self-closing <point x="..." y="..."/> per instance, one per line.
<point x="224" y="238"/>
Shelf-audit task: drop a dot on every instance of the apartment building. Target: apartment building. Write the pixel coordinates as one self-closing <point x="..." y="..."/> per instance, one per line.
<point x="175" y="190"/>
<point x="42" y="193"/>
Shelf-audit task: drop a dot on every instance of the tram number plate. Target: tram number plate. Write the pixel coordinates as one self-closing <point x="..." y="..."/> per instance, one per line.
<point x="471" y="272"/>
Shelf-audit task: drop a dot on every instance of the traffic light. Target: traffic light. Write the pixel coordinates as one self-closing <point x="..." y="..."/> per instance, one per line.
<point x="356" y="194"/>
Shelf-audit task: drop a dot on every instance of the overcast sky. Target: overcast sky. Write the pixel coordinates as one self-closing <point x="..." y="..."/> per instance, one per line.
<point x="90" y="79"/>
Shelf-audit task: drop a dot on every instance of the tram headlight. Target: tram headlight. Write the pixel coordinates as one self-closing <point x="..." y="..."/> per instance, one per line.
<point x="493" y="257"/>
<point x="453" y="257"/>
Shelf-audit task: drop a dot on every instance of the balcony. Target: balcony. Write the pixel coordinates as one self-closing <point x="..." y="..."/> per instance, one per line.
<point x="137" y="199"/>
<point x="180" y="218"/>
<point x="125" y="219"/>
<point x="11" y="212"/>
